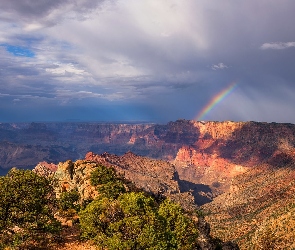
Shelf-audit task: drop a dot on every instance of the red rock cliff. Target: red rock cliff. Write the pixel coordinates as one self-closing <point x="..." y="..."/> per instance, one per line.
<point x="226" y="149"/>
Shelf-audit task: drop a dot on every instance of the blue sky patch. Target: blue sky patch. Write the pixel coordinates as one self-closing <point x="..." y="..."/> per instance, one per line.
<point x="19" y="51"/>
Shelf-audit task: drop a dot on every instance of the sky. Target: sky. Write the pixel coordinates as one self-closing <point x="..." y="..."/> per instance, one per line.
<point x="147" y="60"/>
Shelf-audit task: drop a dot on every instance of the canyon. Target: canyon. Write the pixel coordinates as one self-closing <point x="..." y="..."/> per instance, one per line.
<point x="239" y="173"/>
<point x="209" y="153"/>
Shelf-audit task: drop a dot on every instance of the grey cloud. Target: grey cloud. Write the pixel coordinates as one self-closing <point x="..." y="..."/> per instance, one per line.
<point x="45" y="12"/>
<point x="76" y="94"/>
<point x="219" y="66"/>
<point x="278" y="45"/>
<point x="170" y="59"/>
<point x="30" y="8"/>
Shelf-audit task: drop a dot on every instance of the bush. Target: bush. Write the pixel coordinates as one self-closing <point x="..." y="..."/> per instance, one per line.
<point x="181" y="229"/>
<point x="26" y="209"/>
<point x="111" y="189"/>
<point x="106" y="182"/>
<point x="102" y="175"/>
<point x="134" y="221"/>
<point x="118" y="219"/>
<point x="129" y="222"/>
<point x="69" y="200"/>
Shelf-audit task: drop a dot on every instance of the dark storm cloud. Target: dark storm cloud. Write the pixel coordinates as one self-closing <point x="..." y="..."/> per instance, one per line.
<point x="41" y="10"/>
<point x="162" y="60"/>
<point x="30" y="8"/>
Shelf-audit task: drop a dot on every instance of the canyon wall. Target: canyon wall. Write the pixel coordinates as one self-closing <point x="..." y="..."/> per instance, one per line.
<point x="209" y="153"/>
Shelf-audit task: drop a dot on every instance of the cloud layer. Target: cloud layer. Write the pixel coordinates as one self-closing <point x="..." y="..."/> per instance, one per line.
<point x="146" y="60"/>
<point x="278" y="45"/>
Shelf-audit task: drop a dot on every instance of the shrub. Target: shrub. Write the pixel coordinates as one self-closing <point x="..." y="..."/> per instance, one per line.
<point x="118" y="219"/>
<point x="106" y="182"/>
<point x="102" y="175"/>
<point x="26" y="209"/>
<point x="134" y="221"/>
<point x="69" y="200"/>
<point x="180" y="228"/>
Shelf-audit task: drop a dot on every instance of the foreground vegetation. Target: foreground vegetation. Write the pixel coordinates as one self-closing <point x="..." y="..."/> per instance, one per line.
<point x="27" y="205"/>
<point x="120" y="217"/>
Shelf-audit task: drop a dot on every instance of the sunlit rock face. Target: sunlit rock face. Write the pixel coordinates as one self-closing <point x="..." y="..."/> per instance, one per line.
<point x="226" y="149"/>
<point x="75" y="175"/>
<point x="207" y="153"/>
<point x="45" y="169"/>
<point x="155" y="177"/>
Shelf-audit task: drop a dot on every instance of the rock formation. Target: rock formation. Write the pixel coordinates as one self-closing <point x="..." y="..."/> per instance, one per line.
<point x="45" y="169"/>
<point x="207" y="155"/>
<point x="227" y="149"/>
<point x="156" y="177"/>
<point x="75" y="175"/>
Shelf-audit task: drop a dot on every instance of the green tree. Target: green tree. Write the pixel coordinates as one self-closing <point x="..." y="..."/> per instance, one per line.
<point x="134" y="221"/>
<point x="118" y="219"/>
<point x="106" y="181"/>
<point x="111" y="189"/>
<point x="181" y="229"/>
<point x="69" y="200"/>
<point x="102" y="175"/>
<point x="26" y="209"/>
<point x="130" y="222"/>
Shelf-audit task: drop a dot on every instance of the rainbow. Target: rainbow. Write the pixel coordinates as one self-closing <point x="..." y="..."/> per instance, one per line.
<point x="215" y="100"/>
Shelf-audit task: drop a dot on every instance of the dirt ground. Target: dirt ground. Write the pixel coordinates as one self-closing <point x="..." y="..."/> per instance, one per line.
<point x="70" y="236"/>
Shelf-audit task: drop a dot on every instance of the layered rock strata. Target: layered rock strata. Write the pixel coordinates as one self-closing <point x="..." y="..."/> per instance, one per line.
<point x="156" y="177"/>
<point x="204" y="153"/>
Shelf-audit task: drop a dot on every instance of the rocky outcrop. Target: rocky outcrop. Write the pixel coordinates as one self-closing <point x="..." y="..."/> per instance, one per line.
<point x="45" y="169"/>
<point x="156" y="177"/>
<point x="75" y="175"/>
